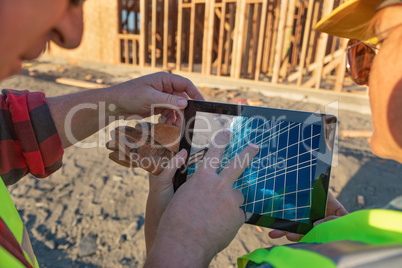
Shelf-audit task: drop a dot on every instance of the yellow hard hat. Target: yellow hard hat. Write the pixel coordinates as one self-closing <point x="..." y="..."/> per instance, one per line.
<point x="344" y="21"/>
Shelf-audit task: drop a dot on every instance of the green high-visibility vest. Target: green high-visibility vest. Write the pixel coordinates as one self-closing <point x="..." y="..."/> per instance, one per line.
<point x="376" y="229"/>
<point x="12" y="219"/>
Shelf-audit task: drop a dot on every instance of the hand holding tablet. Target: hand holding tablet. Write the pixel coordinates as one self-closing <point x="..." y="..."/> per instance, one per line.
<point x="203" y="216"/>
<point x="285" y="186"/>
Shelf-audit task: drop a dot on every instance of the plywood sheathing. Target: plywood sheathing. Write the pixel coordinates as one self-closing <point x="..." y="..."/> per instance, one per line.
<point x="100" y="34"/>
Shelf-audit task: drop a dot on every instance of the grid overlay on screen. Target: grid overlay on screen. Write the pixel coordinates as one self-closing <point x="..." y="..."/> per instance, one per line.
<point x="279" y="180"/>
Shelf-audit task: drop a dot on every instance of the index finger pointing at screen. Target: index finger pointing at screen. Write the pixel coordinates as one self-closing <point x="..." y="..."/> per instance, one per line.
<point x="212" y="158"/>
<point x="239" y="163"/>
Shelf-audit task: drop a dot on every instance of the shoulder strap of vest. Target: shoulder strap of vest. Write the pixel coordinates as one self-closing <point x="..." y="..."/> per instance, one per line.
<point x="13" y="234"/>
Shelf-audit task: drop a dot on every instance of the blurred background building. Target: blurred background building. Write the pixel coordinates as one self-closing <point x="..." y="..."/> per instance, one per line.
<point x="272" y="41"/>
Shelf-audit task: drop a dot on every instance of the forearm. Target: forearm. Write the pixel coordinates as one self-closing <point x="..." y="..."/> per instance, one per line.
<point x="168" y="252"/>
<point x="152" y="220"/>
<point x="79" y="115"/>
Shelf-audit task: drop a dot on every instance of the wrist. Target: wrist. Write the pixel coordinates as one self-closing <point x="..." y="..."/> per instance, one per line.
<point x="177" y="252"/>
<point x="110" y="99"/>
<point x="121" y="100"/>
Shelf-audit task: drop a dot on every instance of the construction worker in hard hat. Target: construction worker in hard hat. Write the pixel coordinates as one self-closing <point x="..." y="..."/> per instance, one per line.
<point x="367" y="238"/>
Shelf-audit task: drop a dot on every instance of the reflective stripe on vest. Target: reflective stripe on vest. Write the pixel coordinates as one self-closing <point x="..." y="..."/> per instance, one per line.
<point x="11" y="218"/>
<point x="358" y="231"/>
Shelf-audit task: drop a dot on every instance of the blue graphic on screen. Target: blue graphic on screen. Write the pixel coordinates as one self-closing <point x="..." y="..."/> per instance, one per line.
<point x="279" y="180"/>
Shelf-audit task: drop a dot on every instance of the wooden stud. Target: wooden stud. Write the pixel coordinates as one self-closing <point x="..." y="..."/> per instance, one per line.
<point x="221" y="36"/>
<point x="274" y="39"/>
<point x="235" y="37"/>
<point x="237" y="50"/>
<point x="119" y="26"/>
<point x="268" y="37"/>
<point x="210" y="41"/>
<point x="234" y="40"/>
<point x="340" y="71"/>
<point x="229" y="40"/>
<point x="295" y="36"/>
<point x="279" y="43"/>
<point x="287" y="38"/>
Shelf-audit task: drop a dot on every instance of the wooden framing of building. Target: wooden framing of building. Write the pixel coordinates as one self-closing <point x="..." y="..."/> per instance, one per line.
<point x="262" y="40"/>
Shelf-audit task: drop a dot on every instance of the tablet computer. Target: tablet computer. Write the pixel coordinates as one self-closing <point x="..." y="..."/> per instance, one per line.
<point x="285" y="186"/>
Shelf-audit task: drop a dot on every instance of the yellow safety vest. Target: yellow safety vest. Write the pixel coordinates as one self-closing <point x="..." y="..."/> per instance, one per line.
<point x="370" y="230"/>
<point x="11" y="218"/>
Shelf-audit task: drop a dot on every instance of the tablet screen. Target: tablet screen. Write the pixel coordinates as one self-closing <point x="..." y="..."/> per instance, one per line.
<point x="285" y="185"/>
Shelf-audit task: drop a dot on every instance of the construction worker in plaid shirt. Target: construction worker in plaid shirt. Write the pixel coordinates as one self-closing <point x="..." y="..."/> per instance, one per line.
<point x="33" y="133"/>
<point x="189" y="228"/>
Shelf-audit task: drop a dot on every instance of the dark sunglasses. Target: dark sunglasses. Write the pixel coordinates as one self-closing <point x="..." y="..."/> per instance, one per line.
<point x="359" y="57"/>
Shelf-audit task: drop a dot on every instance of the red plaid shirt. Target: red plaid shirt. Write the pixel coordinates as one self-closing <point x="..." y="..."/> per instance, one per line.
<point x="29" y="142"/>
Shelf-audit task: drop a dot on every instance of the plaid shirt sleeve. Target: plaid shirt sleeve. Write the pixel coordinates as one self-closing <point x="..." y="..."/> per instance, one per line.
<point x="29" y="142"/>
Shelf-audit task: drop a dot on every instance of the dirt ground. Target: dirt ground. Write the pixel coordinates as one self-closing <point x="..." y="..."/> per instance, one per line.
<point x="91" y="212"/>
